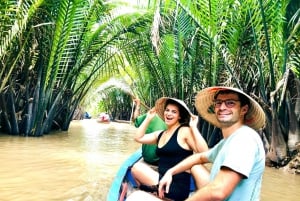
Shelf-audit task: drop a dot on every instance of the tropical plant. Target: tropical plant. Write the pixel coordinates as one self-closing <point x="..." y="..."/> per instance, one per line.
<point x="55" y="53"/>
<point x="247" y="44"/>
<point x="62" y="47"/>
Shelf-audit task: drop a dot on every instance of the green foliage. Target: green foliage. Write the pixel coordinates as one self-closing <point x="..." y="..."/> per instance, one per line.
<point x="56" y="54"/>
<point x="116" y="103"/>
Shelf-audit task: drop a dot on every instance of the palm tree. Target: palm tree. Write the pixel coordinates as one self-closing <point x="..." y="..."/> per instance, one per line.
<point x="244" y="44"/>
<point x="54" y="53"/>
<point x="78" y="42"/>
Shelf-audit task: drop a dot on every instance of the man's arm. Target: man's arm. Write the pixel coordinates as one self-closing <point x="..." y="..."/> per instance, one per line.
<point x="220" y="188"/>
<point x="186" y="164"/>
<point x="137" y="109"/>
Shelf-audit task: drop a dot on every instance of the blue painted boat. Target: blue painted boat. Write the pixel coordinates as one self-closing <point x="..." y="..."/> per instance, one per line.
<point x="123" y="175"/>
<point x="120" y="192"/>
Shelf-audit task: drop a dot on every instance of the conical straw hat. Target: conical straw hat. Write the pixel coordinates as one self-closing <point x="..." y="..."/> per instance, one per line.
<point x="160" y="106"/>
<point x="255" y="117"/>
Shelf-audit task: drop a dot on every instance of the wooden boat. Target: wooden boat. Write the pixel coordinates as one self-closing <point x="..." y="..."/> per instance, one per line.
<point x="123" y="176"/>
<point x="103" y="121"/>
<point x="124" y="186"/>
<point x="103" y="118"/>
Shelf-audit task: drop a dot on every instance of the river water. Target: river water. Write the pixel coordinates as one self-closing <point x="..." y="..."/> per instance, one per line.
<point x="79" y="165"/>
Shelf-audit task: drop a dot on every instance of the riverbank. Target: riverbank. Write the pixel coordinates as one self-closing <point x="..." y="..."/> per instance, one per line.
<point x="293" y="166"/>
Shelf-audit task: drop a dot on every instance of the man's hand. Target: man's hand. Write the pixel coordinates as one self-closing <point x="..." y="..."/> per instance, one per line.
<point x="164" y="184"/>
<point x="137" y="101"/>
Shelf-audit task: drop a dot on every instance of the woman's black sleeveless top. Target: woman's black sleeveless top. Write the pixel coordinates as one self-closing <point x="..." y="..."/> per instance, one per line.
<point x="170" y="155"/>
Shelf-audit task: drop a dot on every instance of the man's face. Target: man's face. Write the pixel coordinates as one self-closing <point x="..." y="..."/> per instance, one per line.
<point x="228" y="109"/>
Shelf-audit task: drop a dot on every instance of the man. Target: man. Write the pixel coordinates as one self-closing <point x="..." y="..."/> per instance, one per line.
<point x="148" y="150"/>
<point x="239" y="158"/>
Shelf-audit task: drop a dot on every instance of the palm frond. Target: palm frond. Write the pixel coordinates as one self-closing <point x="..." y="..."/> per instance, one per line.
<point x="14" y="18"/>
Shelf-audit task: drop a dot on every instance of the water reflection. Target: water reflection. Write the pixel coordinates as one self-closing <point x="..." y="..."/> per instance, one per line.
<point x="80" y="165"/>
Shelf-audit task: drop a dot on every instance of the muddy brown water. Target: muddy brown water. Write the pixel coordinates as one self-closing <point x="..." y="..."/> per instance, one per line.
<point x="79" y="165"/>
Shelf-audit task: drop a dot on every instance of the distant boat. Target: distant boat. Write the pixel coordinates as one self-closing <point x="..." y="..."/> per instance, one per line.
<point x="123" y="185"/>
<point x="86" y="115"/>
<point x="103" y="118"/>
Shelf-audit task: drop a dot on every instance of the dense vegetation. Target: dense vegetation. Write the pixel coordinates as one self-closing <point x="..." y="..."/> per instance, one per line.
<point x="58" y="55"/>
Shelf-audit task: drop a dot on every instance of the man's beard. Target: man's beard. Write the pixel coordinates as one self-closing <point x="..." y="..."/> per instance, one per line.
<point x="226" y="123"/>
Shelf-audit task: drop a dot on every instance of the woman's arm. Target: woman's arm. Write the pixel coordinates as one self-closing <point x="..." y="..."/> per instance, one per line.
<point x="197" y="142"/>
<point x="140" y="136"/>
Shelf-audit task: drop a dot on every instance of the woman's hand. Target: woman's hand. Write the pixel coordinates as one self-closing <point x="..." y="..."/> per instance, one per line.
<point x="151" y="113"/>
<point x="193" y="121"/>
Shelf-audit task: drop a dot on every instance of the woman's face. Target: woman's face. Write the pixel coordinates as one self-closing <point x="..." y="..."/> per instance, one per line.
<point x="171" y="114"/>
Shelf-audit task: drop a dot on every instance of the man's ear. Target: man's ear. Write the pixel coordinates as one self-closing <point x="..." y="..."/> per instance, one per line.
<point x="244" y="109"/>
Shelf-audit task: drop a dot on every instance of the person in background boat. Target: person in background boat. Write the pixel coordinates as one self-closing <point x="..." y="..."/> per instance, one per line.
<point x="87" y="115"/>
<point x="148" y="150"/>
<point x="238" y="159"/>
<point x="179" y="140"/>
<point x="104" y="118"/>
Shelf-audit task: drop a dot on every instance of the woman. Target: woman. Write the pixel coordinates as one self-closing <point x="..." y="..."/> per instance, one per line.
<point x="174" y="144"/>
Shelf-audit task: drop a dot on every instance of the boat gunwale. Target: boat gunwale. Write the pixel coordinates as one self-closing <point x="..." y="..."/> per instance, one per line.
<point x="113" y="193"/>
